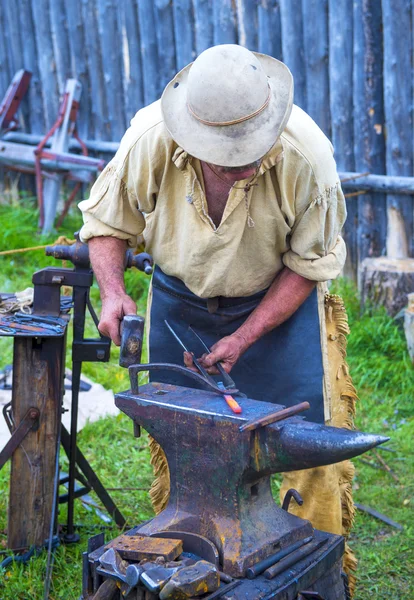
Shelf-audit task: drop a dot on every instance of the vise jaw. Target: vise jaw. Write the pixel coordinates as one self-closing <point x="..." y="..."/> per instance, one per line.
<point x="220" y="476"/>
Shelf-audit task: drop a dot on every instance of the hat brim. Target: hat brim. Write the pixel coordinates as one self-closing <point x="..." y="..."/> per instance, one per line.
<point x="230" y="145"/>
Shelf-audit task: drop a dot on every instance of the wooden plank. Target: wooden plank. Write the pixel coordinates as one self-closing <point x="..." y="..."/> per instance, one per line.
<point x="183" y="33"/>
<point x="224" y="22"/>
<point x="133" y="84"/>
<point x="165" y="41"/>
<point x="341" y="105"/>
<point x="369" y="149"/>
<point x="316" y="46"/>
<point x="46" y="60"/>
<point x="269" y="28"/>
<point x="149" y="54"/>
<point x="112" y="66"/>
<point x="37" y="381"/>
<point x="60" y="38"/>
<point x="79" y="65"/>
<point x="5" y="76"/>
<point x="247" y="24"/>
<point x="398" y="105"/>
<point x="99" y="128"/>
<point x="203" y="24"/>
<point x="292" y="46"/>
<point x="15" y="52"/>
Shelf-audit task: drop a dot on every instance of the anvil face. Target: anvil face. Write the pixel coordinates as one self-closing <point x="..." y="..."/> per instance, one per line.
<point x="220" y="477"/>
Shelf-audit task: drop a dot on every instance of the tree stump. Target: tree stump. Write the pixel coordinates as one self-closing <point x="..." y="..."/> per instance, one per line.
<point x="409" y="325"/>
<point x="386" y="282"/>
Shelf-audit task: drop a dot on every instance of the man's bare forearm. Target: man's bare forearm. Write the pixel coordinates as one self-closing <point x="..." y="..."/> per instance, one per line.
<point x="286" y="294"/>
<point x="107" y="256"/>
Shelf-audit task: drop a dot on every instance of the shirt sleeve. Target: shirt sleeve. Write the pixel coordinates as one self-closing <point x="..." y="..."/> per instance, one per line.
<point x="317" y="250"/>
<point x="125" y="189"/>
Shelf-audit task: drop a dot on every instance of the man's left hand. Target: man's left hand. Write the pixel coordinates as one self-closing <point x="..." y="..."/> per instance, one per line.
<point x="227" y="351"/>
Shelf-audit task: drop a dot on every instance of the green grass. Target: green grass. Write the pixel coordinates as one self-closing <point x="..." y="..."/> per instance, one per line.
<point x="384" y="377"/>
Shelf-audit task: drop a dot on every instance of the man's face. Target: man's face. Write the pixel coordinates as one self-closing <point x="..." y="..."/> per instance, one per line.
<point x="232" y="174"/>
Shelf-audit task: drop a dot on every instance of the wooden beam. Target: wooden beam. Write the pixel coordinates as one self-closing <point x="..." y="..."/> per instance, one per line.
<point x="292" y="46"/>
<point x="38" y="370"/>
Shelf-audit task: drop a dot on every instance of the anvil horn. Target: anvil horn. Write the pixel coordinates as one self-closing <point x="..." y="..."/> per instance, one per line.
<point x="299" y="444"/>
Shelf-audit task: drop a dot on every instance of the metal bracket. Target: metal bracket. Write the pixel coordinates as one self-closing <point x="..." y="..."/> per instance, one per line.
<point x="29" y="422"/>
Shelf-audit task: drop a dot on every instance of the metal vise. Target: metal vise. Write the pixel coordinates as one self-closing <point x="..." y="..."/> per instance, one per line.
<point x="220" y="474"/>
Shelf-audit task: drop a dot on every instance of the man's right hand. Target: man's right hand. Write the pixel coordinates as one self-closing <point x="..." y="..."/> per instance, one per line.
<point x="114" y="309"/>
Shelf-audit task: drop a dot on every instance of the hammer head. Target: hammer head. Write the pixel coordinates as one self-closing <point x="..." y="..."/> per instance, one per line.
<point x="132" y="335"/>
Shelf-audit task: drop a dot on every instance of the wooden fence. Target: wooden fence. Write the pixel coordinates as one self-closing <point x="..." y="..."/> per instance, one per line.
<point x="352" y="63"/>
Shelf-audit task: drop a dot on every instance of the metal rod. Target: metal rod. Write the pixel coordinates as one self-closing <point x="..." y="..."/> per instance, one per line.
<point x="227" y="380"/>
<point x="261" y="566"/>
<point x="292" y="559"/>
<point x="277" y="416"/>
<point x="200" y="368"/>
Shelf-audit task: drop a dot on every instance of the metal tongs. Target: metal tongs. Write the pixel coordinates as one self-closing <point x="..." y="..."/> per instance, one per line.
<point x="225" y="384"/>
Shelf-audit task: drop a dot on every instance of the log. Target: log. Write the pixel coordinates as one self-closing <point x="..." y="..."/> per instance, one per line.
<point x="409" y="325"/>
<point x="387" y="282"/>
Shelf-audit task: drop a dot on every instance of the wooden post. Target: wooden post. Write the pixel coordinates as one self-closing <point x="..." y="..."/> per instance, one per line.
<point x="165" y="39"/>
<point x="292" y="46"/>
<point x="38" y="370"/>
<point x="315" y="38"/>
<point x="269" y="28"/>
<point x="398" y="102"/>
<point x="183" y="30"/>
<point x="60" y="144"/>
<point x="224" y="21"/>
<point x="149" y="55"/>
<point x="247" y="23"/>
<point x="340" y="94"/>
<point x="203" y="24"/>
<point x="369" y="147"/>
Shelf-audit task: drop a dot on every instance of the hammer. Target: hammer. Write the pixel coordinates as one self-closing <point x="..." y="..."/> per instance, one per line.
<point x="132" y="335"/>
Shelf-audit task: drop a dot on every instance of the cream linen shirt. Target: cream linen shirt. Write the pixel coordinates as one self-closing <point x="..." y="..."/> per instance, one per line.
<point x="292" y="216"/>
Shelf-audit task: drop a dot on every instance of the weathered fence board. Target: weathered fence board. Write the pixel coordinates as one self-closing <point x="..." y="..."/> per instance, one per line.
<point x="341" y="105"/>
<point x="369" y="123"/>
<point x="343" y="55"/>
<point x="398" y="102"/>
<point x="224" y="22"/>
<point x="316" y="48"/>
<point x="269" y="28"/>
<point x="203" y="24"/>
<point x="149" y="54"/>
<point x="166" y="42"/>
<point x="183" y="29"/>
<point x="292" y="46"/>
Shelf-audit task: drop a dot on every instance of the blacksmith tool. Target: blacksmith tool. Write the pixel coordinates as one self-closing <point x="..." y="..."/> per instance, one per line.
<point x="293" y="558"/>
<point x="227" y="381"/>
<point x="235" y="407"/>
<point x="279" y="415"/>
<point x="261" y="566"/>
<point x="220" y="477"/>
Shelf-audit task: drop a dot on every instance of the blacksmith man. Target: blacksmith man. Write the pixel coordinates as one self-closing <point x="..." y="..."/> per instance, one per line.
<point x="237" y="193"/>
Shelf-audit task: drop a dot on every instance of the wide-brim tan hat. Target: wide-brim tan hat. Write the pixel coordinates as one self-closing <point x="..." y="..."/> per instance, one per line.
<point x="229" y="106"/>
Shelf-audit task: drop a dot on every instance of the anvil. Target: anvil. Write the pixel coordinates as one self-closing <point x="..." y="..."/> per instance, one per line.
<point x="220" y="476"/>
